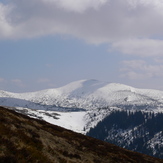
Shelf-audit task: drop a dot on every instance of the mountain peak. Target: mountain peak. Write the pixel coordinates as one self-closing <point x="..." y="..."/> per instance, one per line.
<point x="81" y="87"/>
<point x="85" y="94"/>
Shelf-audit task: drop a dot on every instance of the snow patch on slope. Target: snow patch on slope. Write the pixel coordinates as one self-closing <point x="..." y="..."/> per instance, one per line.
<point x="74" y="121"/>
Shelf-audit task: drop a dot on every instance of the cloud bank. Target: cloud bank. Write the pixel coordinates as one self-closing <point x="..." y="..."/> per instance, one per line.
<point x="140" y="69"/>
<point x="130" y="26"/>
<point x="142" y="47"/>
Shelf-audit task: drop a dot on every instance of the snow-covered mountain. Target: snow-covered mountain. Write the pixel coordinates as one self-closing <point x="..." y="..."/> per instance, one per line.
<point x="83" y="105"/>
<point x="83" y="98"/>
<point x="85" y="94"/>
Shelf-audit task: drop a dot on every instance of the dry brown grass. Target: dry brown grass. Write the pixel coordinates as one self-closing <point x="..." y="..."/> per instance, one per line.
<point x="24" y="140"/>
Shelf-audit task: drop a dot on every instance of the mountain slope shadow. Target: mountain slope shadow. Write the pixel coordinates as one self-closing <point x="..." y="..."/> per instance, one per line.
<point x="24" y="139"/>
<point x="15" y="102"/>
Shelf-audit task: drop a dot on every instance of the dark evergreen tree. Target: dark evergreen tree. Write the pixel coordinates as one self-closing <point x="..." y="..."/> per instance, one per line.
<point x="142" y="127"/>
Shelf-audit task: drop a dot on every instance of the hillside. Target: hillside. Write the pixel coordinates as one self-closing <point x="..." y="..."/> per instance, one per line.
<point x="23" y="139"/>
<point x="137" y="131"/>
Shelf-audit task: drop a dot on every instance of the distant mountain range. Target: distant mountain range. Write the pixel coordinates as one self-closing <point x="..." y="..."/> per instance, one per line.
<point x="99" y="109"/>
<point x="85" y="94"/>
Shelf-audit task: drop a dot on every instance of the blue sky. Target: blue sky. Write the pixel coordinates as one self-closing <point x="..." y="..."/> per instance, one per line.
<point x="49" y="43"/>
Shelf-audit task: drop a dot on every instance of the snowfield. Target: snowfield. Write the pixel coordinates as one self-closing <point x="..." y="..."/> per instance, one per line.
<point x="85" y="94"/>
<point x="80" y="105"/>
<point x="76" y="105"/>
<point x="78" y="121"/>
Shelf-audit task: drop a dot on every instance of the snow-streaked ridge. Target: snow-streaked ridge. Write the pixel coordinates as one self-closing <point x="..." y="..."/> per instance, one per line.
<point x="81" y="105"/>
<point x="86" y="94"/>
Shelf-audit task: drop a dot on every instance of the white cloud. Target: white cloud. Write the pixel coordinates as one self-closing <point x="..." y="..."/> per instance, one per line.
<point x="2" y="80"/>
<point x="121" y="23"/>
<point x="158" y="60"/>
<point x="43" y="80"/>
<point x="49" y="65"/>
<point x="139" y="69"/>
<point x="141" y="47"/>
<point x="76" y="5"/>
<point x="18" y="82"/>
<point x="133" y="64"/>
<point x="5" y="27"/>
<point x="133" y="75"/>
<point x="46" y="82"/>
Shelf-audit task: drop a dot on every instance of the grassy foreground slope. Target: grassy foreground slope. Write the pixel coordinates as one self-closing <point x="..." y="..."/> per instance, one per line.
<point x="24" y="140"/>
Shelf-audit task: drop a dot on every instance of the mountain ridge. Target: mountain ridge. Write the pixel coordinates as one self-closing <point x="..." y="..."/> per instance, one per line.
<point x="83" y="105"/>
<point x="88" y="94"/>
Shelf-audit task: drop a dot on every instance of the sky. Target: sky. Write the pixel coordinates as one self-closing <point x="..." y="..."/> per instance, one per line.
<point x="49" y="43"/>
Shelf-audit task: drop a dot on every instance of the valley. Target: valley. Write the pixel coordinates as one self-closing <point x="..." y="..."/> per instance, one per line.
<point x="83" y="106"/>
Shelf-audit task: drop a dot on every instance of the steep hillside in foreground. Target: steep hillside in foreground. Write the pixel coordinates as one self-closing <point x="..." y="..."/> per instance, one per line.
<point x="23" y="139"/>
